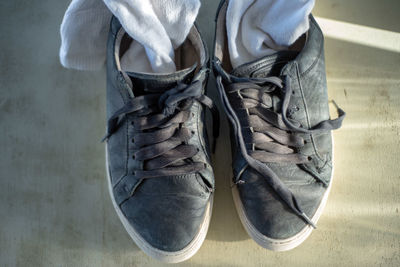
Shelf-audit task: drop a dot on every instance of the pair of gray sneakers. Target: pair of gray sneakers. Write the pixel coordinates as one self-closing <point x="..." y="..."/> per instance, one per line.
<point x="158" y="160"/>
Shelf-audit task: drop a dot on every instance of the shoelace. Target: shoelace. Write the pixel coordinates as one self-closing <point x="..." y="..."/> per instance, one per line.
<point x="159" y="139"/>
<point x="272" y="133"/>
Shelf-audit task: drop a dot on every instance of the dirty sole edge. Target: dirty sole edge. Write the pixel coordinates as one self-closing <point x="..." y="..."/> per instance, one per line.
<point x="164" y="256"/>
<point x="279" y="244"/>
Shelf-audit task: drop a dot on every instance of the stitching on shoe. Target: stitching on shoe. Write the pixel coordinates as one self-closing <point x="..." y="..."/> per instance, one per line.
<point x="201" y="183"/>
<point x="199" y="138"/>
<point x="321" y="45"/>
<point x="305" y="108"/>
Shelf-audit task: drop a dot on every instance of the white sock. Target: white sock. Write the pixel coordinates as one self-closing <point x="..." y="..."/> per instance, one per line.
<point x="158" y="27"/>
<point x="257" y="28"/>
<point x="84" y="33"/>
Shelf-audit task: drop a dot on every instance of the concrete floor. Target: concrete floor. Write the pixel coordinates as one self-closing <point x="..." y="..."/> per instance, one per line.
<point x="54" y="205"/>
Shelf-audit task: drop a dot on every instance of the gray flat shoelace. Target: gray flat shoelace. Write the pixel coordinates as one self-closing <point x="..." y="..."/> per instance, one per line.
<point x="159" y="139"/>
<point x="273" y="135"/>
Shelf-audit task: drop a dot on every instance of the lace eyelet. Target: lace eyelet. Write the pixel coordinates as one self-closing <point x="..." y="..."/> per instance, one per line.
<point x="309" y="158"/>
<point x="193" y="132"/>
<point x="133" y="157"/>
<point x="134" y="173"/>
<point x="305" y="142"/>
<point x="205" y="165"/>
<point x="198" y="149"/>
<point x="133" y="140"/>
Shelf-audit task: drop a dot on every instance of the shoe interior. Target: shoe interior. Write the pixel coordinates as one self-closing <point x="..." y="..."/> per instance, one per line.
<point x="191" y="52"/>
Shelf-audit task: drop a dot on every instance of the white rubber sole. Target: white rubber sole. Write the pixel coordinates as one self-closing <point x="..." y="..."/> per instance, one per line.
<point x="279" y="244"/>
<point x="164" y="256"/>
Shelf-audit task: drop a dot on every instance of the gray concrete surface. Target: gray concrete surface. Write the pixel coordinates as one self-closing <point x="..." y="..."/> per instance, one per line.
<point x="54" y="205"/>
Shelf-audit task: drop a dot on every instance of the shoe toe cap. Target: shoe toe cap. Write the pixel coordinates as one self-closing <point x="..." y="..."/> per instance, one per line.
<point x="269" y="214"/>
<point x="167" y="220"/>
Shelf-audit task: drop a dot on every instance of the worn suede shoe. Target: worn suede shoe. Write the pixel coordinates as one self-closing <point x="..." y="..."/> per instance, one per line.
<point x="280" y="135"/>
<point x="160" y="179"/>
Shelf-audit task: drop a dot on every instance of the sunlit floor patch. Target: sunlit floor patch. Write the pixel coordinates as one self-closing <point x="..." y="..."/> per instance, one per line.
<point x="360" y="34"/>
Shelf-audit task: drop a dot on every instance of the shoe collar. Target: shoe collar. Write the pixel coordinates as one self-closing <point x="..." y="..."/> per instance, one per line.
<point x="305" y="59"/>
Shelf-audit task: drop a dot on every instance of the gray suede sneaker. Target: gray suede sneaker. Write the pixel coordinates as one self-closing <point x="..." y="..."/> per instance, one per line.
<point x="281" y="137"/>
<point x="160" y="179"/>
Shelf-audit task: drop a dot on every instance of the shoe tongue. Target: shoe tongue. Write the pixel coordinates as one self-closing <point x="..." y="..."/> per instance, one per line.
<point x="143" y="83"/>
<point x="270" y="65"/>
